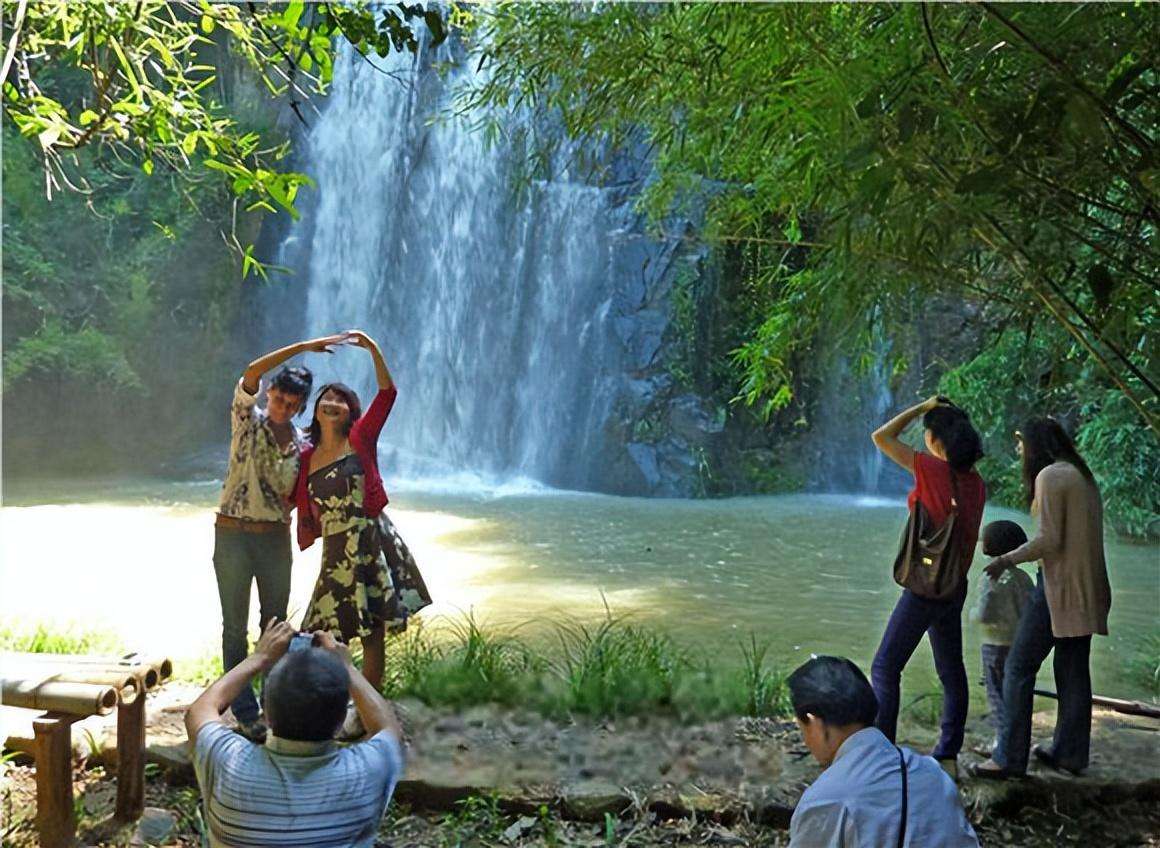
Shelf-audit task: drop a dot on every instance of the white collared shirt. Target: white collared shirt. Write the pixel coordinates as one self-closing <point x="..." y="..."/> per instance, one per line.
<point x="857" y="801"/>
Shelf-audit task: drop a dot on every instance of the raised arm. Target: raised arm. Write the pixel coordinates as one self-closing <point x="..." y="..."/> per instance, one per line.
<point x="266" y="362"/>
<point x="373" y="709"/>
<point x="886" y="439"/>
<point x="382" y="375"/>
<point x="210" y="705"/>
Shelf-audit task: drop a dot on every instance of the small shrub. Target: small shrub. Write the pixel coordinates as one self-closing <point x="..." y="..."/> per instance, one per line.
<point x="615" y="669"/>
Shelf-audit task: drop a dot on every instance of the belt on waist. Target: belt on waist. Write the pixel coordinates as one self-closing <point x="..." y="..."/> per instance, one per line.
<point x="248" y="526"/>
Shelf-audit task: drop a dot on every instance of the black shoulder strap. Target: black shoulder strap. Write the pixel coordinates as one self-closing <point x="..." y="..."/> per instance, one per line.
<point x="954" y="488"/>
<point x="905" y="794"/>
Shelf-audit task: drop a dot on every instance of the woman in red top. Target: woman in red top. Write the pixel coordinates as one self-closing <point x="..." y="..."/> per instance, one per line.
<point x="369" y="581"/>
<point x="952" y="449"/>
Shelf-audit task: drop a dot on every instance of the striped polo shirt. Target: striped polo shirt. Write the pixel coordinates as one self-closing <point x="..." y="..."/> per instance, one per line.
<point x="289" y="793"/>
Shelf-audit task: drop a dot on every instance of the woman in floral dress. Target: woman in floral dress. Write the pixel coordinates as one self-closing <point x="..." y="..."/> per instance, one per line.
<point x="369" y="582"/>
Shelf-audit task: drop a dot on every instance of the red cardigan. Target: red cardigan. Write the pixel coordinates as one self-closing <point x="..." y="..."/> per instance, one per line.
<point x="364" y="437"/>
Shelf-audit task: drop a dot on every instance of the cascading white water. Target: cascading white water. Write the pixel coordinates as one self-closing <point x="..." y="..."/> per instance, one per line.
<point x="496" y="316"/>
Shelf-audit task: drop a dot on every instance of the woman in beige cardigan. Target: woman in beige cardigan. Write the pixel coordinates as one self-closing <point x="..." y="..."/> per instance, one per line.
<point x="1070" y="603"/>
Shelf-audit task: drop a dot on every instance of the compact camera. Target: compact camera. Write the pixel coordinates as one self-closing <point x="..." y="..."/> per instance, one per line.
<point x="301" y="641"/>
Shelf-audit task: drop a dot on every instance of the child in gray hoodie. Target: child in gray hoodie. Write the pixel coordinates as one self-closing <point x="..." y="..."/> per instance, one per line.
<point x="998" y="609"/>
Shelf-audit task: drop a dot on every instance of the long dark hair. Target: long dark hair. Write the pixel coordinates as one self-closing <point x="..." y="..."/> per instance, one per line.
<point x="1044" y="442"/>
<point x="952" y="426"/>
<point x="351" y="400"/>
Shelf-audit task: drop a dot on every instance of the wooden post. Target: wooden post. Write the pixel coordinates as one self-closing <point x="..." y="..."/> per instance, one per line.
<point x="131" y="760"/>
<point x="55" y="817"/>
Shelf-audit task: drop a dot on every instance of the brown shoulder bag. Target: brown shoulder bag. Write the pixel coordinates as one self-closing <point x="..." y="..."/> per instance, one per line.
<point x="931" y="563"/>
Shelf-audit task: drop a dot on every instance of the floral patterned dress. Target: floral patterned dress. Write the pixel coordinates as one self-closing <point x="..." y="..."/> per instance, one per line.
<point x="369" y="577"/>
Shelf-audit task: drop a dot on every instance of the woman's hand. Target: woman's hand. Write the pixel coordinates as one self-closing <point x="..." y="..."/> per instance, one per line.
<point x="360" y="339"/>
<point x="326" y="344"/>
<point x="382" y="374"/>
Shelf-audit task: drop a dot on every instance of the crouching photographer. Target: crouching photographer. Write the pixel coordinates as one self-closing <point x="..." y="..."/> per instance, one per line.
<point x="301" y="787"/>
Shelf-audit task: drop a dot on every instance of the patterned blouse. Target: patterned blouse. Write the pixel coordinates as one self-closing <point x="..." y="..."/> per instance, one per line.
<point x="261" y="475"/>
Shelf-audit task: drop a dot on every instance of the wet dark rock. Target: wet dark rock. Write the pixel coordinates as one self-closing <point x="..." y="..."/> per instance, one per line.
<point x="645" y="457"/>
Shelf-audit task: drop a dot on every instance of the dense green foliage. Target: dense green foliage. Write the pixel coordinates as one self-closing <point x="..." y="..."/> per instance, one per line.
<point x="142" y="79"/>
<point x="116" y="305"/>
<point x="139" y="151"/>
<point x="875" y="157"/>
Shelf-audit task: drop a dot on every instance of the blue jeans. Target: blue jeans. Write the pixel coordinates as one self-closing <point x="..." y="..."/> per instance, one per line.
<point x="994" y="659"/>
<point x="240" y="559"/>
<point x="1073" y="721"/>
<point x="942" y="621"/>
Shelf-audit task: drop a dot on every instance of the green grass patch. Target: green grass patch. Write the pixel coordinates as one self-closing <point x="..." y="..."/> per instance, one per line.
<point x="607" y="669"/>
<point x="42" y="639"/>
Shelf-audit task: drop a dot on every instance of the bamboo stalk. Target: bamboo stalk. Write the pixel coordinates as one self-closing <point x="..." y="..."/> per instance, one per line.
<point x="163" y="665"/>
<point x="129" y="686"/>
<point x="77" y="699"/>
<point x="1118" y="704"/>
<point x="145" y="678"/>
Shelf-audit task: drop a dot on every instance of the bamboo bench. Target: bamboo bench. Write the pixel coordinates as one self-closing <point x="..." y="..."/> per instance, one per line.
<point x="68" y="689"/>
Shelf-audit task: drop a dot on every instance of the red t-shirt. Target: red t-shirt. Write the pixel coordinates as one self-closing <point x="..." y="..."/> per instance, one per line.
<point x="932" y="485"/>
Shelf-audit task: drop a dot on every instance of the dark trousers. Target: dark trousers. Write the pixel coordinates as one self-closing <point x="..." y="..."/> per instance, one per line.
<point x="1073" y="721"/>
<point x="240" y="559"/>
<point x="942" y="622"/>
<point x="994" y="659"/>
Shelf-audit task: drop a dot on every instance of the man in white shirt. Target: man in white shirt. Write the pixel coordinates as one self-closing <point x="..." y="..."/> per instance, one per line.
<point x="872" y="793"/>
<point x="300" y="788"/>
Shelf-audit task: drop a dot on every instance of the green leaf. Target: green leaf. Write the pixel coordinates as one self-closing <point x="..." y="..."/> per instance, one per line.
<point x="49" y="136"/>
<point x="206" y="24"/>
<point x="434" y="23"/>
<point x="147" y="166"/>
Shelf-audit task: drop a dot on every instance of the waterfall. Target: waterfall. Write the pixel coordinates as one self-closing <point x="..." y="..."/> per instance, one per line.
<point x="855" y="402"/>
<point x="497" y="316"/>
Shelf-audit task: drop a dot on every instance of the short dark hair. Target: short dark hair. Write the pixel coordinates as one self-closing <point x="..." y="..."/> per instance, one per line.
<point x="833" y="689"/>
<point x="1002" y="537"/>
<point x="306" y="695"/>
<point x="293" y="380"/>
<point x="961" y="441"/>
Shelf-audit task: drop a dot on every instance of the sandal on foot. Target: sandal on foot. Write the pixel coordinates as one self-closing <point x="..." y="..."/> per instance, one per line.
<point x="990" y="770"/>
